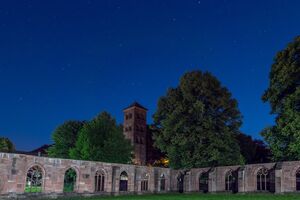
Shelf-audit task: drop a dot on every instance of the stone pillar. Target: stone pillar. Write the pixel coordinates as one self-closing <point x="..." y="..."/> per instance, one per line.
<point x="131" y="179"/>
<point x="278" y="174"/>
<point x="241" y="180"/>
<point x="115" y="180"/>
<point x="187" y="182"/>
<point x="13" y="185"/>
<point x="277" y="177"/>
<point x="212" y="181"/>
<point x="152" y="181"/>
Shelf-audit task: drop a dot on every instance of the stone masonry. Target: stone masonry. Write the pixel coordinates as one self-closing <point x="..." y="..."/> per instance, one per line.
<point x="279" y="177"/>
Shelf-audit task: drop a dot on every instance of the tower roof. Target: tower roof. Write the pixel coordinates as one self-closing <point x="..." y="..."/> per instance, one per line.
<point x="136" y="104"/>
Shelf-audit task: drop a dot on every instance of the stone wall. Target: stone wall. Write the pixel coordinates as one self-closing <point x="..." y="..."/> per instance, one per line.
<point x="14" y="167"/>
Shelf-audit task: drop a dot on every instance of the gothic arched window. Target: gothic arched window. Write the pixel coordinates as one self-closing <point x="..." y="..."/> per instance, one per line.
<point x="34" y="179"/>
<point x="99" y="181"/>
<point x="203" y="182"/>
<point x="123" y="181"/>
<point x="229" y="181"/>
<point x="162" y="183"/>
<point x="70" y="180"/>
<point x="263" y="180"/>
<point x="144" y="182"/>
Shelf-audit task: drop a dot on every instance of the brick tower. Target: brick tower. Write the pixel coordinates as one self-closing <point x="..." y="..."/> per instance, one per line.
<point x="135" y="129"/>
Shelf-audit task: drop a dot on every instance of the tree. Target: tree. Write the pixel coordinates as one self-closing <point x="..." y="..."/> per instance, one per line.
<point x="65" y="137"/>
<point x="102" y="140"/>
<point x="253" y="151"/>
<point x="283" y="94"/>
<point x="154" y="156"/>
<point x="198" y="122"/>
<point x="6" y="145"/>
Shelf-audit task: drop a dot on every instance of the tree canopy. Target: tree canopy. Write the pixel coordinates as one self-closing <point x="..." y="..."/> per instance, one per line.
<point x="253" y="150"/>
<point x="198" y="122"/>
<point x="65" y="137"/>
<point x="102" y="139"/>
<point x="6" y="145"/>
<point x="283" y="94"/>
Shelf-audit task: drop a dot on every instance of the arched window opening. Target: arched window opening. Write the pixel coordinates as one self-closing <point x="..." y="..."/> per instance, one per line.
<point x="144" y="182"/>
<point x="70" y="180"/>
<point x="203" y="182"/>
<point x="162" y="183"/>
<point x="99" y="181"/>
<point x="298" y="180"/>
<point x="263" y="180"/>
<point x="34" y="179"/>
<point x="123" y="182"/>
<point x="229" y="181"/>
<point x="180" y="183"/>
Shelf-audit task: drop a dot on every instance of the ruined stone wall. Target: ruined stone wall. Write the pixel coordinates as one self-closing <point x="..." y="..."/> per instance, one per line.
<point x="14" y="167"/>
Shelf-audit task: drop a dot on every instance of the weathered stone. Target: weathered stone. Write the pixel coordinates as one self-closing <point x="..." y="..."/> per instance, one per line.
<point x="281" y="176"/>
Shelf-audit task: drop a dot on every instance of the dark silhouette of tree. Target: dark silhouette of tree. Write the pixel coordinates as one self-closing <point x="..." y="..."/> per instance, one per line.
<point x="6" y="145"/>
<point x="253" y="151"/>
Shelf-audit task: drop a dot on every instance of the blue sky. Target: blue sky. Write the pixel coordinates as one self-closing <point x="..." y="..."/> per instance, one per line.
<point x="63" y="60"/>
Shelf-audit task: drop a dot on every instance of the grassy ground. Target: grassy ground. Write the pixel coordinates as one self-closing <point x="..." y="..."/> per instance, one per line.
<point x="33" y="189"/>
<point x="198" y="197"/>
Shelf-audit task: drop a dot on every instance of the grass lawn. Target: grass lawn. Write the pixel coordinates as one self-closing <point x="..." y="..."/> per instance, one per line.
<point x="197" y="197"/>
<point x="33" y="189"/>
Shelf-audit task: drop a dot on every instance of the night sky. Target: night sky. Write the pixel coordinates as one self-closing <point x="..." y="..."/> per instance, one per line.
<point x="63" y="60"/>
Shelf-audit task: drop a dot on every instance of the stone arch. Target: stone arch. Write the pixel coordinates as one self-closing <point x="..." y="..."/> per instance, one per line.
<point x="100" y="180"/>
<point x="144" y="181"/>
<point x="231" y="180"/>
<point x="162" y="182"/>
<point x="180" y="182"/>
<point x="293" y="173"/>
<point x="262" y="175"/>
<point x="71" y="176"/>
<point x="123" y="185"/>
<point x="203" y="177"/>
<point x="34" y="178"/>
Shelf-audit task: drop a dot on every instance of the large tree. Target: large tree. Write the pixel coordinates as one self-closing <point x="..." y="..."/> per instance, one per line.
<point x="102" y="140"/>
<point x="6" y="145"/>
<point x="253" y="150"/>
<point x="198" y="122"/>
<point x="65" y="137"/>
<point x="283" y="94"/>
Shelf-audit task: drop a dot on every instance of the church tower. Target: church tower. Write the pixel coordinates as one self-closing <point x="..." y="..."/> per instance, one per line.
<point x="135" y="129"/>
